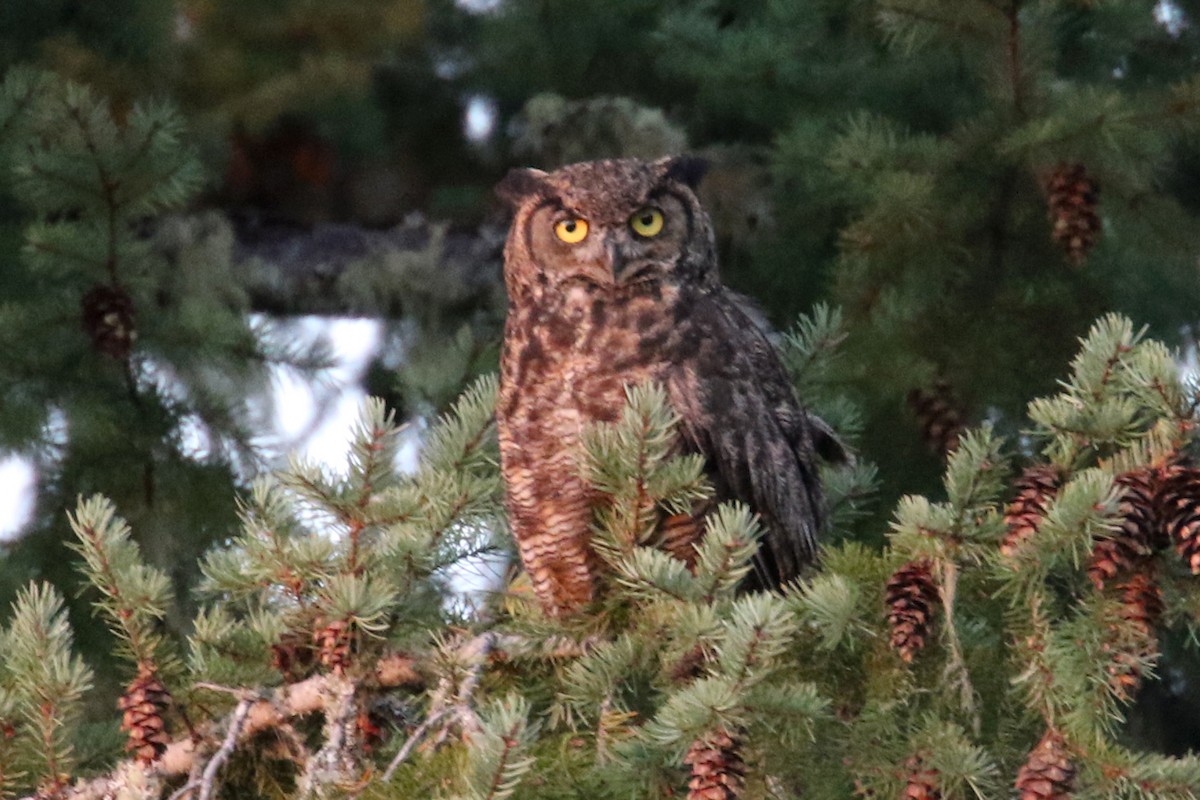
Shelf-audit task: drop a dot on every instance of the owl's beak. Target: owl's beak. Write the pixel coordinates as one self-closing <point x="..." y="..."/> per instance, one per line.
<point x="624" y="270"/>
<point x="613" y="266"/>
<point x="613" y="258"/>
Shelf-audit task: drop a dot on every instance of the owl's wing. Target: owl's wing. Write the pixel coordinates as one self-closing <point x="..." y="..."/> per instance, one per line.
<point x="738" y="409"/>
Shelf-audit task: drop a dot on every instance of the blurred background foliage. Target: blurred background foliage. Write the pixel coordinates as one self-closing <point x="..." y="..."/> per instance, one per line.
<point x="906" y="160"/>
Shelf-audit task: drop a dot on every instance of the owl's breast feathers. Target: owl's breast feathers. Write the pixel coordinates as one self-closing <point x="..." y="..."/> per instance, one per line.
<point x="566" y="365"/>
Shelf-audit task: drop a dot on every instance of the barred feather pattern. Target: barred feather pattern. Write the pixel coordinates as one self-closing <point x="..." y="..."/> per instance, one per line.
<point x="614" y="309"/>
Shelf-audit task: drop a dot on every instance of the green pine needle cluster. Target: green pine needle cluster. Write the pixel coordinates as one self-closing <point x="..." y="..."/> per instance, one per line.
<point x="42" y="684"/>
<point x="368" y="551"/>
<point x="134" y="597"/>
<point x="131" y="364"/>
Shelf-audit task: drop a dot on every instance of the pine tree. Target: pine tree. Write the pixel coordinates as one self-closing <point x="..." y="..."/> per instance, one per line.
<point x="127" y="353"/>
<point x="331" y="656"/>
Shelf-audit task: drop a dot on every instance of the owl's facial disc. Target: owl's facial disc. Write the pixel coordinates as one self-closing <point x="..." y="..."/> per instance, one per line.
<point x="613" y="247"/>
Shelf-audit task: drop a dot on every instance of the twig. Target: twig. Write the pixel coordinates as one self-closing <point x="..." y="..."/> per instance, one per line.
<point x="332" y="763"/>
<point x="956" y="668"/>
<point x="190" y="786"/>
<point x="208" y="778"/>
<point x="266" y="709"/>
<point x="216" y="687"/>
<point x="414" y="739"/>
<point x="479" y="649"/>
<point x="474" y="654"/>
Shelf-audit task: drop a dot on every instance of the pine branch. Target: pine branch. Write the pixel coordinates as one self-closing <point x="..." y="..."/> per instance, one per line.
<point x="207" y="785"/>
<point x="47" y="681"/>
<point x="497" y="752"/>
<point x="136" y="596"/>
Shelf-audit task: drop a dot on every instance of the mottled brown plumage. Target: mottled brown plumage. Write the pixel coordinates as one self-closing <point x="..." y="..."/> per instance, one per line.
<point x="618" y="308"/>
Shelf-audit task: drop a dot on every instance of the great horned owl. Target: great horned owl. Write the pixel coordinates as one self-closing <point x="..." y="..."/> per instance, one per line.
<point x="611" y="273"/>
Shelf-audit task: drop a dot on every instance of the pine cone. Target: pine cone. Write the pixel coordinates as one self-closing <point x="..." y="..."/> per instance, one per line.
<point x="718" y="772"/>
<point x="1125" y="672"/>
<point x="910" y="595"/>
<point x="922" y="781"/>
<point x="1118" y="555"/>
<point x="1072" y="196"/>
<point x="938" y="415"/>
<point x="1036" y="488"/>
<point x="1048" y="773"/>
<point x="1142" y="606"/>
<point x="108" y="319"/>
<point x="336" y="644"/>
<point x="1142" y="602"/>
<point x="143" y="704"/>
<point x="1127" y="548"/>
<point x="1179" y="505"/>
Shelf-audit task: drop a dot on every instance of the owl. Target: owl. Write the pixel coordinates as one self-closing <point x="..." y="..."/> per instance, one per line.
<point x="611" y="273"/>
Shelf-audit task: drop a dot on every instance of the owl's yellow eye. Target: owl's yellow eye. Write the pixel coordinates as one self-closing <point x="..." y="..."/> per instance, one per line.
<point x="571" y="231"/>
<point x="647" y="222"/>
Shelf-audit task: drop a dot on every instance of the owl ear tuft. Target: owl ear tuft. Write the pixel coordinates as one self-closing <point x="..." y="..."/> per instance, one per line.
<point x="685" y="169"/>
<point x="521" y="183"/>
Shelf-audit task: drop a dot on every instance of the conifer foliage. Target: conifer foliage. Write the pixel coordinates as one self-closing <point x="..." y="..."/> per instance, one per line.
<point x="125" y="346"/>
<point x="332" y="656"/>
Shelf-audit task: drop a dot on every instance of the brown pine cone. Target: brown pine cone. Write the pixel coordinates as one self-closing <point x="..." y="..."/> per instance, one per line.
<point x="143" y="704"/>
<point x="1047" y="773"/>
<point x="1128" y="651"/>
<point x="1126" y="550"/>
<point x="910" y="596"/>
<point x="335" y="641"/>
<point x="1072" y="197"/>
<point x="1118" y="555"/>
<point x="1036" y="489"/>
<point x="718" y="772"/>
<point x="108" y="320"/>
<point x="1142" y="602"/>
<point x="938" y="415"/>
<point x="1125" y="673"/>
<point x="1179" y="506"/>
<point x="922" y="781"/>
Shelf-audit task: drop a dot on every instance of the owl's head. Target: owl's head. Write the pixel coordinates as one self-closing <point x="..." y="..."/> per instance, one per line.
<point x="614" y="226"/>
